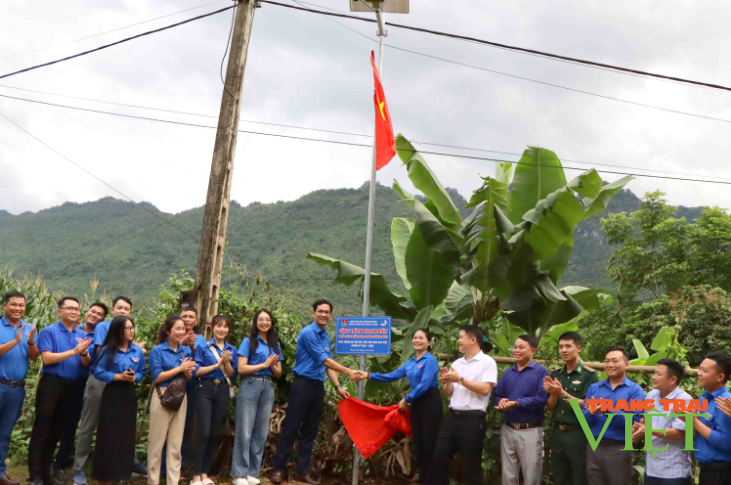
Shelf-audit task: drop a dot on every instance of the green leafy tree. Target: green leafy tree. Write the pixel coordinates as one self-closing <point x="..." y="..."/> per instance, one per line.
<point x="506" y="256"/>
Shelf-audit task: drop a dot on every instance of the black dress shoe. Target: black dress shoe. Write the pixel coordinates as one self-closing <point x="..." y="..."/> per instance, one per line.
<point x="60" y="474"/>
<point x="5" y="480"/>
<point x="298" y="477"/>
<point x="277" y="478"/>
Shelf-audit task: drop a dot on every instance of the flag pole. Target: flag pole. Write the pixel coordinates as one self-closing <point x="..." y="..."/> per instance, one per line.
<point x="369" y="230"/>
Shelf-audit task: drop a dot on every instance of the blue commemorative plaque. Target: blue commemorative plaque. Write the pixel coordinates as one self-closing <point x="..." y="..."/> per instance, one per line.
<point x="363" y="335"/>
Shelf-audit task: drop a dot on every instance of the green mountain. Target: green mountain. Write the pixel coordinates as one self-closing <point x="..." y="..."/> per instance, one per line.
<point x="132" y="249"/>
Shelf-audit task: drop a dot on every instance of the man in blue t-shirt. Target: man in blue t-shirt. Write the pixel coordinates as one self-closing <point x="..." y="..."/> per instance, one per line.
<point x="610" y="464"/>
<point x="17" y="347"/>
<point x="312" y="360"/>
<point x="65" y="454"/>
<point x="713" y="435"/>
<point x="64" y="350"/>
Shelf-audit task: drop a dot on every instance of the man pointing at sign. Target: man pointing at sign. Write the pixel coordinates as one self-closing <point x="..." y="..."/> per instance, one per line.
<point x="307" y="393"/>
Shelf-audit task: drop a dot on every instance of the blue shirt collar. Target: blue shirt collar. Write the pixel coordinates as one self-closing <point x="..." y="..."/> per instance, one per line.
<point x="7" y="323"/>
<point x="422" y="357"/>
<point x="213" y="342"/>
<point x="606" y="382"/>
<point x="317" y="328"/>
<point x="530" y="365"/>
<point x="714" y="394"/>
<point x="166" y="346"/>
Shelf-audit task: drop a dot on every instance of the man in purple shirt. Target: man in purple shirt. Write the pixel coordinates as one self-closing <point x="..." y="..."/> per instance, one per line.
<point x="521" y="397"/>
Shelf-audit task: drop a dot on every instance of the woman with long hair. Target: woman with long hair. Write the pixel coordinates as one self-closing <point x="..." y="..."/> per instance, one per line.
<point x="121" y="364"/>
<point x="167" y="362"/>
<point x="215" y="373"/>
<point x="260" y="361"/>
<point x="427" y="411"/>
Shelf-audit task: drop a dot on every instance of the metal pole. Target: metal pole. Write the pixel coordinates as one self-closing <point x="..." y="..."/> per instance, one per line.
<point x="369" y="230"/>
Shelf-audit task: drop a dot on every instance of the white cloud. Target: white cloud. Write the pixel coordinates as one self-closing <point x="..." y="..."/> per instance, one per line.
<point x="306" y="70"/>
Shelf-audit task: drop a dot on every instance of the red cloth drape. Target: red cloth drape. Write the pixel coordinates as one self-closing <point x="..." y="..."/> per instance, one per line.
<point x="371" y="426"/>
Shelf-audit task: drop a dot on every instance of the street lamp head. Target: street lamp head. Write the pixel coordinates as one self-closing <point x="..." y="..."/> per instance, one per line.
<point x="389" y="6"/>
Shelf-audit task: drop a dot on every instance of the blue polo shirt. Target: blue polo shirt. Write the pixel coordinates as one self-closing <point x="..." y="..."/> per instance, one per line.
<point x="313" y="348"/>
<point x="718" y="446"/>
<point x="100" y="333"/>
<point x="55" y="338"/>
<point x="132" y="358"/>
<point x="204" y="358"/>
<point x="422" y="375"/>
<point x="626" y="390"/>
<point x="526" y="388"/>
<point x="14" y="363"/>
<point x="164" y="358"/>
<point x="261" y="354"/>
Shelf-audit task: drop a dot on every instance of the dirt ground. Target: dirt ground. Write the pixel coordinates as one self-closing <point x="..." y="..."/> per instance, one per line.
<point x="20" y="474"/>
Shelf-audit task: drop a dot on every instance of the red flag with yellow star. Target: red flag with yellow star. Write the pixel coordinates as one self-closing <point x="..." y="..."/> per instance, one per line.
<point x="385" y="141"/>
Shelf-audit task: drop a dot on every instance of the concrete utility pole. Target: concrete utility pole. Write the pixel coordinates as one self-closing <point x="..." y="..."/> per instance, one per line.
<point x="215" y="221"/>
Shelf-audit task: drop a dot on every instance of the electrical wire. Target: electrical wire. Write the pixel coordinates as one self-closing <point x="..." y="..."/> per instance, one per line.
<point x="106" y="46"/>
<point x="634" y="103"/>
<point x="228" y="42"/>
<point x="454" y="155"/>
<point x="514" y="76"/>
<point x="110" y="31"/>
<point x="514" y="48"/>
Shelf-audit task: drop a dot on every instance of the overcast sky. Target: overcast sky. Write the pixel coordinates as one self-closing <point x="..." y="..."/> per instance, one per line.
<point x="311" y="71"/>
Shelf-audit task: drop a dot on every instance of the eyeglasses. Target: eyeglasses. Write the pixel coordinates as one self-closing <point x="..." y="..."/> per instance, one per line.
<point x="129" y="328"/>
<point x="74" y="309"/>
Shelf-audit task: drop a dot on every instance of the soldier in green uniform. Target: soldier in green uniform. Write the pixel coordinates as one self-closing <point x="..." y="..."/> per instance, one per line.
<point x="568" y="442"/>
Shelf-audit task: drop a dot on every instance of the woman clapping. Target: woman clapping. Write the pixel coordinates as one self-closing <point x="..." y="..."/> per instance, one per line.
<point x="259" y="361"/>
<point x="215" y="372"/>
<point x="167" y="362"/>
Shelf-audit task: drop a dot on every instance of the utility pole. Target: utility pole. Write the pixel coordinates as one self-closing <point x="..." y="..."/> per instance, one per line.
<point x="215" y="221"/>
<point x="369" y="230"/>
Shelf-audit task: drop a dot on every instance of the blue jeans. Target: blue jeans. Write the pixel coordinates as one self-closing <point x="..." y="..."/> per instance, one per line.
<point x="11" y="405"/>
<point x="253" y="410"/>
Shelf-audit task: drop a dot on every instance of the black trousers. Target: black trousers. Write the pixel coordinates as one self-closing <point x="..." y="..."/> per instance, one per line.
<point x="54" y="403"/>
<point x="66" y="448"/>
<point x="116" y="435"/>
<point x="668" y="481"/>
<point x="426" y="420"/>
<point x="304" y="412"/>
<point x="715" y="474"/>
<point x="463" y="432"/>
<point x="213" y="401"/>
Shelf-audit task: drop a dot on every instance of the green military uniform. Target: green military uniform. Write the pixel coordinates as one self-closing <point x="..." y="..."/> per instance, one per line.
<point x="568" y="442"/>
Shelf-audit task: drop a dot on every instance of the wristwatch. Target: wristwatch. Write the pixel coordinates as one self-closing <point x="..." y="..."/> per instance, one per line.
<point x="565" y="395"/>
<point x="461" y="380"/>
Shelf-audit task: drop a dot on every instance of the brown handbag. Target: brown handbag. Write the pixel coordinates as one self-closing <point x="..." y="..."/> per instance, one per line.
<point x="173" y="396"/>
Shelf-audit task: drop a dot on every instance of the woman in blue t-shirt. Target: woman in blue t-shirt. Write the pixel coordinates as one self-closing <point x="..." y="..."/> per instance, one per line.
<point x="121" y="364"/>
<point x="215" y="372"/>
<point x="424" y="400"/>
<point x="259" y="361"/>
<point x="167" y="361"/>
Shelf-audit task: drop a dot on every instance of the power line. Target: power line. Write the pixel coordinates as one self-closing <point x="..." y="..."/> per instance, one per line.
<point x="514" y="76"/>
<point x="110" y="31"/>
<point x="106" y="46"/>
<point x="514" y="48"/>
<point x="398" y="48"/>
<point x="454" y="155"/>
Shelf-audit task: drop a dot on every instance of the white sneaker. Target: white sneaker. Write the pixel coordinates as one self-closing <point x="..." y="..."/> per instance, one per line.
<point x="240" y="481"/>
<point x="253" y="480"/>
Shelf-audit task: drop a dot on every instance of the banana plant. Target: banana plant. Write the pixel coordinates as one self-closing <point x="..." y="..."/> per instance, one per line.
<point x="507" y="255"/>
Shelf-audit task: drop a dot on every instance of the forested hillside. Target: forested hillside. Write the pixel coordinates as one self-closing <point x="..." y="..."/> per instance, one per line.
<point x="131" y="251"/>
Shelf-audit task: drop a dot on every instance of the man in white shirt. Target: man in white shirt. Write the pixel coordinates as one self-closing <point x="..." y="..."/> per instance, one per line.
<point x="672" y="466"/>
<point x="468" y="383"/>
